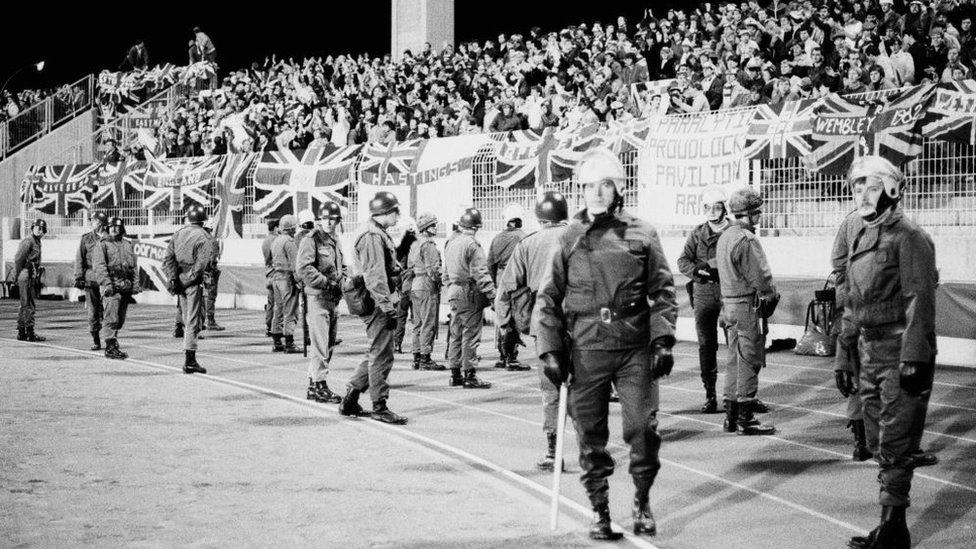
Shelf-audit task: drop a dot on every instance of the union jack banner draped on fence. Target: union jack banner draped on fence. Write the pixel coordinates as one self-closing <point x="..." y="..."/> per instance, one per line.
<point x="569" y="147"/>
<point x="952" y="114"/>
<point x="781" y="130"/>
<point x="889" y="127"/>
<point x="231" y="188"/>
<point x="175" y="183"/>
<point x="291" y="181"/>
<point x="114" y="182"/>
<point x="522" y="158"/>
<point x="59" y="190"/>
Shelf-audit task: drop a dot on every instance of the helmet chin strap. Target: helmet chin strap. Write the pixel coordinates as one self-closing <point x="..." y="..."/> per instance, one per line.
<point x="884" y="204"/>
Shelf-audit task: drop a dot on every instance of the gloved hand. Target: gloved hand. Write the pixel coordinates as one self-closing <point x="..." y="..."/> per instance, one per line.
<point x="80" y="283"/>
<point x="109" y="291"/>
<point x="767" y="306"/>
<point x="124" y="286"/>
<point x="702" y="272"/>
<point x="915" y="377"/>
<point x="845" y="381"/>
<point x="557" y="367"/>
<point x="176" y="287"/>
<point x="662" y="361"/>
<point x="391" y="319"/>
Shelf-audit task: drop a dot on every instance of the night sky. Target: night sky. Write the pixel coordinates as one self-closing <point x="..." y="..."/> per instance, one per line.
<point x="75" y="41"/>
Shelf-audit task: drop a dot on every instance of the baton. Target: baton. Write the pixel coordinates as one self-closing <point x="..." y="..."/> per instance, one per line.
<point x="557" y="467"/>
<point x="304" y="324"/>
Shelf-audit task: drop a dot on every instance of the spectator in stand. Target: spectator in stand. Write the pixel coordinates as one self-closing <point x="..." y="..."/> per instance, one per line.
<point x="137" y="58"/>
<point x="507" y="119"/>
<point x="194" y="53"/>
<point x="206" y="46"/>
<point x="902" y="64"/>
<point x="877" y="80"/>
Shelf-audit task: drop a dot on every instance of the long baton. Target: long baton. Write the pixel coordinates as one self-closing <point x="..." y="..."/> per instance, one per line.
<point x="557" y="467"/>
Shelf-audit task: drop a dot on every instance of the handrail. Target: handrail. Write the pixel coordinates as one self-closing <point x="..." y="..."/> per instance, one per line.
<point x="42" y="117"/>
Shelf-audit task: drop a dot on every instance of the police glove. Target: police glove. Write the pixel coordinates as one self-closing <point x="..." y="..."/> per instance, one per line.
<point x="109" y="291"/>
<point x="702" y="272"/>
<point x="391" y="319"/>
<point x="80" y="283"/>
<point x="767" y="306"/>
<point x="662" y="361"/>
<point x="176" y="287"/>
<point x="845" y="381"/>
<point x="557" y="367"/>
<point x="915" y="377"/>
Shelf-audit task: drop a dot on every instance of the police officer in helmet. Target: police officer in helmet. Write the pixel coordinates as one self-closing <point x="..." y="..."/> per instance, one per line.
<point x="117" y="273"/>
<point x="424" y="260"/>
<point x="506" y="336"/>
<point x="187" y="256"/>
<point x="284" y="253"/>
<point x="85" y="276"/>
<point x="607" y="315"/>
<point x="27" y="273"/>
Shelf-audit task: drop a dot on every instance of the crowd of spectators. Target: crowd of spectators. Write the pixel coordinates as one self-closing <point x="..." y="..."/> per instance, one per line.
<point x="713" y="56"/>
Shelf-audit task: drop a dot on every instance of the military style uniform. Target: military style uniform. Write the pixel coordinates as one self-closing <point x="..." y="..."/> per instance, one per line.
<point x="611" y="292"/>
<point x="283" y="257"/>
<point x="211" y="279"/>
<point x="187" y="257"/>
<point x="889" y="299"/>
<point x="376" y="259"/>
<point x="469" y="291"/>
<point x="424" y="263"/>
<point x="27" y="273"/>
<point x="117" y="274"/>
<point x="744" y="277"/>
<point x="698" y="258"/>
<point x="499" y="253"/>
<point x="85" y="278"/>
<point x="405" y="305"/>
<point x="268" y="271"/>
<point x="320" y="268"/>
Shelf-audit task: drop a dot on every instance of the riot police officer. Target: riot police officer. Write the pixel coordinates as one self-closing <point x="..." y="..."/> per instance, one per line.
<point x="117" y="273"/>
<point x="27" y="273"/>
<point x="376" y="260"/>
<point x="469" y="291"/>
<point x="749" y="297"/>
<point x="424" y="261"/>
<point x="211" y="278"/>
<point x="517" y="287"/>
<point x="283" y="257"/>
<point x="607" y="314"/>
<point x="268" y="271"/>
<point x="187" y="257"/>
<point x="320" y="268"/>
<point x="306" y="224"/>
<point x="889" y="300"/>
<point x="697" y="262"/>
<point x="506" y="336"/>
<point x="407" y="237"/>
<point x="85" y="277"/>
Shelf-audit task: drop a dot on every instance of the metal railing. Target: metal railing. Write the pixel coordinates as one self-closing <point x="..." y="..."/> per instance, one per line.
<point x="39" y="119"/>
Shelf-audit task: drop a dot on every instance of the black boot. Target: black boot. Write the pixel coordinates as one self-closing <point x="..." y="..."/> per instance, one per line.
<point x="398" y="348"/>
<point x="748" y="424"/>
<point x="759" y="407"/>
<point x="21" y="334"/>
<point x="290" y="346"/>
<point x="112" y="350"/>
<point x="471" y="381"/>
<point x="190" y="364"/>
<point x="891" y="533"/>
<point x="96" y="342"/>
<point x="319" y="392"/>
<point x="513" y="364"/>
<point x="178" y="331"/>
<point x="456" y="379"/>
<point x="711" y="402"/>
<point x="548" y="461"/>
<point x="32" y="336"/>
<point x="213" y="326"/>
<point x="861" y="451"/>
<point x="276" y="346"/>
<point x="385" y="415"/>
<point x="644" y="523"/>
<point x="731" y="415"/>
<point x="600" y="528"/>
<point x="416" y="361"/>
<point x="921" y="458"/>
<point x="350" y="404"/>
<point x="427" y="363"/>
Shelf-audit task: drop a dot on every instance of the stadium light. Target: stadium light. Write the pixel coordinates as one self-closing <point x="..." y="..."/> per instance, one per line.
<point x="39" y="66"/>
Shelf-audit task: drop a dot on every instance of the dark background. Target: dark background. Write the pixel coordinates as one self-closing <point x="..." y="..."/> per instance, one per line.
<point x="75" y="41"/>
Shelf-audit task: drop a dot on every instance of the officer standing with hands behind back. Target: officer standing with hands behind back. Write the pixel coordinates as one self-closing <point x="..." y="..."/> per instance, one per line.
<point x="607" y="315"/>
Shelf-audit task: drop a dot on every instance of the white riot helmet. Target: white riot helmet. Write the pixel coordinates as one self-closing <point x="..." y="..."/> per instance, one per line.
<point x="306" y="219"/>
<point x="601" y="164"/>
<point x="872" y="166"/>
<point x="513" y="214"/>
<point x="714" y="194"/>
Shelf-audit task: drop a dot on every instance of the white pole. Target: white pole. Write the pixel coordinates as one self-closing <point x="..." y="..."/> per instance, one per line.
<point x="557" y="467"/>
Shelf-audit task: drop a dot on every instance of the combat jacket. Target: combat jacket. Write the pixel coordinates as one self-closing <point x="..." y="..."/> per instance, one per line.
<point x="83" y="259"/>
<point x="320" y="265"/>
<point x="283" y="257"/>
<point x="892" y="279"/>
<point x="376" y="260"/>
<point x="846" y="235"/>
<point x="188" y="255"/>
<point x="609" y="288"/>
<point x="424" y="260"/>
<point x="742" y="267"/>
<point x="700" y="248"/>
<point x="465" y="269"/>
<point x="27" y="262"/>
<point x="501" y="250"/>
<point x="116" y="270"/>
<point x="528" y="266"/>
<point x="266" y="252"/>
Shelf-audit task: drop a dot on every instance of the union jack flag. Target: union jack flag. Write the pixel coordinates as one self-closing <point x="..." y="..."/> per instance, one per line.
<point x="887" y="127"/>
<point x="569" y="148"/>
<point x="59" y="190"/>
<point x="952" y="114"/>
<point x="781" y="130"/>
<point x="170" y="183"/>
<point x="393" y="164"/>
<point x="231" y="184"/>
<point x="522" y="158"/>
<point x="290" y="181"/>
<point x="622" y="137"/>
<point x="114" y="182"/>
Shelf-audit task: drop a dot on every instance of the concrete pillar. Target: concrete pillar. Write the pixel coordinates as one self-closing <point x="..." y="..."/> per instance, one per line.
<point x="417" y="21"/>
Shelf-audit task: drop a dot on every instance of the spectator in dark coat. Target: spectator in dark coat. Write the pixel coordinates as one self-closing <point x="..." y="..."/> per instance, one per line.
<point x="137" y="58"/>
<point x="507" y="120"/>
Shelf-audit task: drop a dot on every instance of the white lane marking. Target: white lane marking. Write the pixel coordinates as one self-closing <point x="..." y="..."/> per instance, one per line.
<point x="390" y="430"/>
